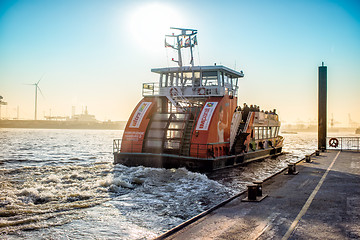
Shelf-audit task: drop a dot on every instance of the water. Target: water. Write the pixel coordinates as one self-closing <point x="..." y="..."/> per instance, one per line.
<point x="61" y="184"/>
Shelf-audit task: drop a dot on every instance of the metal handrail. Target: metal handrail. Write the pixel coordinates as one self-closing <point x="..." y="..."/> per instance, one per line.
<point x="344" y="143"/>
<point x="116" y="145"/>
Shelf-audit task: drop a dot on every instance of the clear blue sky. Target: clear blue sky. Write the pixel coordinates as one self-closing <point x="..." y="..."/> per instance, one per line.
<point x="97" y="53"/>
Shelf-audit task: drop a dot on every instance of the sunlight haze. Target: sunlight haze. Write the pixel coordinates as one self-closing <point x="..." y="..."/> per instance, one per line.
<point x="98" y="53"/>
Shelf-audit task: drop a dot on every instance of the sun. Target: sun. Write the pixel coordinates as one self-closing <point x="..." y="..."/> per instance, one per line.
<point x="150" y="22"/>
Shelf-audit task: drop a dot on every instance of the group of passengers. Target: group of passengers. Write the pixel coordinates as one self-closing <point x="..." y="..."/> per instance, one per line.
<point x="253" y="108"/>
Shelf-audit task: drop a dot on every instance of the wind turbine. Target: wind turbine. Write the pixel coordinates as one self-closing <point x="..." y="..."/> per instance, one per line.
<point x="36" y="89"/>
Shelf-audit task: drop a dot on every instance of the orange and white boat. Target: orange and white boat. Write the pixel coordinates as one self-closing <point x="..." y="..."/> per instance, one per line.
<point x="190" y="119"/>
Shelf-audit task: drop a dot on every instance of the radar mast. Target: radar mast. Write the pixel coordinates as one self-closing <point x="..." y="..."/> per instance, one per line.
<point x="186" y="39"/>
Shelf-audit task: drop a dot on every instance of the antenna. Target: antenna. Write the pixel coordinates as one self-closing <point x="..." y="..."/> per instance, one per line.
<point x="186" y="39"/>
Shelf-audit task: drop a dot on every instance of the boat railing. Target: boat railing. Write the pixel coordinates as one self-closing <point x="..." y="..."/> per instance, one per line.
<point x="116" y="145"/>
<point x="198" y="150"/>
<point x="343" y="143"/>
<point x="150" y="89"/>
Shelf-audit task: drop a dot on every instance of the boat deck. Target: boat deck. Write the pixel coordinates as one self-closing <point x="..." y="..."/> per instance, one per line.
<point x="321" y="202"/>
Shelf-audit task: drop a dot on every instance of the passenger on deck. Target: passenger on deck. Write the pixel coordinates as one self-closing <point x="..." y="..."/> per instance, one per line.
<point x="246" y="110"/>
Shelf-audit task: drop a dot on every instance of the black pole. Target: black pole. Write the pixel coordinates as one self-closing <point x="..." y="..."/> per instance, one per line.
<point x="322" y="106"/>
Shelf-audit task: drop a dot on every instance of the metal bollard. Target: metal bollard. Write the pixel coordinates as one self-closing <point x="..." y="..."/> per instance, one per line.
<point x="259" y="188"/>
<point x="307" y="158"/>
<point x="252" y="192"/>
<point x="323" y="149"/>
<point x="291" y="169"/>
<point x="317" y="152"/>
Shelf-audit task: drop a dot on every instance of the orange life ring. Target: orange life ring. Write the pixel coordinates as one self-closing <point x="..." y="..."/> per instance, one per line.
<point x="201" y="91"/>
<point x="333" y="142"/>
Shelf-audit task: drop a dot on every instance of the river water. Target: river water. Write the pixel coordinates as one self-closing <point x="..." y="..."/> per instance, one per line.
<point x="62" y="184"/>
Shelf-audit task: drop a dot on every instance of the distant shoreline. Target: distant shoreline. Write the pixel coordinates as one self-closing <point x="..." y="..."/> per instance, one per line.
<point x="51" y="124"/>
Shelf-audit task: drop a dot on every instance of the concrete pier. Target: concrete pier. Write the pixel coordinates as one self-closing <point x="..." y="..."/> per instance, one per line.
<point x="321" y="202"/>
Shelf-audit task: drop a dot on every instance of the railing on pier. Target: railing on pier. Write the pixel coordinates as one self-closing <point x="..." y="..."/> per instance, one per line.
<point x="343" y="143"/>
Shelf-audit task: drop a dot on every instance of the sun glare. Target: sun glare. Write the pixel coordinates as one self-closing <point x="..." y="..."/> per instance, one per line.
<point x="149" y="23"/>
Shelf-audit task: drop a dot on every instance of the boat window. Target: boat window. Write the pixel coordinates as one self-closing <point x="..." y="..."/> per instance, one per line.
<point x="152" y="143"/>
<point x="173" y="134"/>
<point x="161" y="116"/>
<point x="176" y="125"/>
<point x="226" y="79"/>
<point x="221" y="79"/>
<point x="187" y="79"/>
<point x="275" y="132"/>
<point x="172" y="144"/>
<point x="256" y="132"/>
<point x="180" y="116"/>
<point x="209" y="78"/>
<point x="235" y="81"/>
<point x="268" y="132"/>
<point x="156" y="124"/>
<point x="155" y="133"/>
<point x="261" y="132"/>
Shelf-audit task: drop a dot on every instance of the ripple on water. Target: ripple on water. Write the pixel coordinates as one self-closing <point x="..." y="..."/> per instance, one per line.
<point x="74" y="191"/>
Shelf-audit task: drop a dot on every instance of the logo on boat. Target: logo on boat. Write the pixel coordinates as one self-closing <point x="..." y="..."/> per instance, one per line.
<point x="205" y="116"/>
<point x="209" y="104"/>
<point x="139" y="114"/>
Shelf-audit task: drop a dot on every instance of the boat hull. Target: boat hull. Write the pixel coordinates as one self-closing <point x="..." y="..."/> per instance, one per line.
<point x="191" y="163"/>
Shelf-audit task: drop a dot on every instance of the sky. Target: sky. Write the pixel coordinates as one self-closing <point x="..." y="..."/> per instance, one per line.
<point x="98" y="53"/>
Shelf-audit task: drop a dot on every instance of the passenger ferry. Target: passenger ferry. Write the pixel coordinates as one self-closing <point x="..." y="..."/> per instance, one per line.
<point x="190" y="119"/>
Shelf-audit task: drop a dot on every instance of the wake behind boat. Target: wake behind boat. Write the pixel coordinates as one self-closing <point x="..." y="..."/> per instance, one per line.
<point x="190" y="118"/>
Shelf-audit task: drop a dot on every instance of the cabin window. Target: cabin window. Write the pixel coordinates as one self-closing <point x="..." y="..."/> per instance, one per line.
<point x="173" y="134"/>
<point x="221" y="79"/>
<point x="275" y="132"/>
<point x="154" y="143"/>
<point x="158" y="133"/>
<point x="256" y="132"/>
<point x="268" y="132"/>
<point x="172" y="144"/>
<point x="209" y="78"/>
<point x="261" y="133"/>
<point x="161" y="117"/>
<point x="180" y="116"/>
<point x="176" y="125"/>
<point x="234" y="81"/>
<point x="158" y="124"/>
